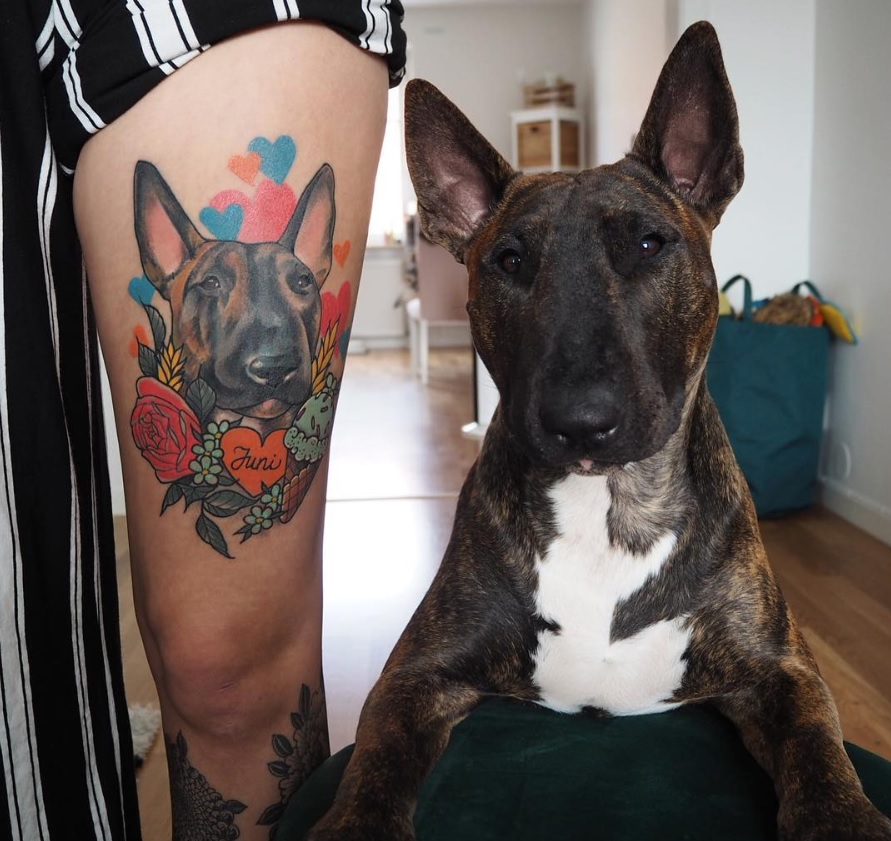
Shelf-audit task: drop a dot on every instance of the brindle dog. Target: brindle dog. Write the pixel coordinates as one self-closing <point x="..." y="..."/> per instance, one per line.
<point x="605" y="553"/>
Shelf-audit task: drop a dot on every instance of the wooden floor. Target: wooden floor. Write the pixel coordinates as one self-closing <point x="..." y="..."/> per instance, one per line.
<point x="397" y="462"/>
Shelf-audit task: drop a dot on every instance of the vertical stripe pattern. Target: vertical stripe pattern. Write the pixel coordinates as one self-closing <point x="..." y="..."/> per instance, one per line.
<point x="286" y="10"/>
<point x="67" y="69"/>
<point x="165" y="34"/>
<point x="21" y="770"/>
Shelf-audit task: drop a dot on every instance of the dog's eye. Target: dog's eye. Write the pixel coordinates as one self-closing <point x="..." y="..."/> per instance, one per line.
<point x="510" y="261"/>
<point x="301" y="281"/>
<point x="211" y="283"/>
<point x="650" y="246"/>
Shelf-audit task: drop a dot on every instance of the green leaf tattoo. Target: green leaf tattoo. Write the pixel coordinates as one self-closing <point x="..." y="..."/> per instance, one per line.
<point x="174" y="494"/>
<point x="200" y="396"/>
<point x="159" y="328"/>
<point x="298" y="755"/>
<point x="210" y="533"/>
<point x="148" y="361"/>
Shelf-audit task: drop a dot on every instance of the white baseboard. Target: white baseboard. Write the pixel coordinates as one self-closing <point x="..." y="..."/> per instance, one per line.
<point x="363" y="344"/>
<point x="449" y="335"/>
<point x="863" y="512"/>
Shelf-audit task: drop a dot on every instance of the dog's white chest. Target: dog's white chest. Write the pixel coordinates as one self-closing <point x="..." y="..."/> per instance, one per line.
<point x="580" y="581"/>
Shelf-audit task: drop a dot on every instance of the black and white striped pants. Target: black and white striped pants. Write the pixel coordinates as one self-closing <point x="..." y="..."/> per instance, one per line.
<point x="68" y="68"/>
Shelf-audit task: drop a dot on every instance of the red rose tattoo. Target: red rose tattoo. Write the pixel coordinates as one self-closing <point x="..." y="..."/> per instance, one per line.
<point x="165" y="429"/>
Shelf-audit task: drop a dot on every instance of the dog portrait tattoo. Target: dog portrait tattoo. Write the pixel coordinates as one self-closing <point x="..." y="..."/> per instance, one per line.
<point x="236" y="399"/>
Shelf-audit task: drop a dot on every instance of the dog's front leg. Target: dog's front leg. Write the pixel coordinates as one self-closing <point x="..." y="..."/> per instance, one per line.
<point x="404" y="727"/>
<point x="790" y="724"/>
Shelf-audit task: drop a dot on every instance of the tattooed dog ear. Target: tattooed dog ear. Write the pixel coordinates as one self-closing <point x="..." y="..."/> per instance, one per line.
<point x="167" y="238"/>
<point x="310" y="232"/>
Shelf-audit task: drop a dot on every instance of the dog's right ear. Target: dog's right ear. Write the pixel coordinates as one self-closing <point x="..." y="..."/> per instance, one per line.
<point x="457" y="174"/>
<point x="166" y="236"/>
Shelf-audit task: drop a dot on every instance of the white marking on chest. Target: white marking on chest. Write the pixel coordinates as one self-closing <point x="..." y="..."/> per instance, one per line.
<point x="580" y="581"/>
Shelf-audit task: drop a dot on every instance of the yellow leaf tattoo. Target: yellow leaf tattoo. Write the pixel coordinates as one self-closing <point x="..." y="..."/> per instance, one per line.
<point x="323" y="358"/>
<point x="170" y="366"/>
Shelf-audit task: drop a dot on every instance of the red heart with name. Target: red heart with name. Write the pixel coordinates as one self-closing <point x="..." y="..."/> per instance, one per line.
<point x="252" y="461"/>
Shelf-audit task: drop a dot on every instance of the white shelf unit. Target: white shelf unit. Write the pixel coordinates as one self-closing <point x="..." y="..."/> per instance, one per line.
<point x="548" y="139"/>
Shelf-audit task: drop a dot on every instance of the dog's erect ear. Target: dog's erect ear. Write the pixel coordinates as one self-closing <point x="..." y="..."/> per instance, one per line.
<point x="690" y="134"/>
<point x="167" y="238"/>
<point x="458" y="176"/>
<point x="310" y="233"/>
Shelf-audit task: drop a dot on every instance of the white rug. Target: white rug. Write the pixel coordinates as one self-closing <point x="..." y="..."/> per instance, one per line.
<point x="145" y="722"/>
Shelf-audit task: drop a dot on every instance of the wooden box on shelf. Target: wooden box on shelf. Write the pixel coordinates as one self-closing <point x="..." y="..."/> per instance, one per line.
<point x="557" y="92"/>
<point x="548" y="139"/>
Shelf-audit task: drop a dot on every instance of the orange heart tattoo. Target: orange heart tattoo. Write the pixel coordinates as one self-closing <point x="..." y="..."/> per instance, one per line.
<point x="342" y="252"/>
<point x="246" y="166"/>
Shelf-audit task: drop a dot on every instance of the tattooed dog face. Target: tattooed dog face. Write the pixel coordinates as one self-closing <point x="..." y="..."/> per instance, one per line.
<point x="247" y="315"/>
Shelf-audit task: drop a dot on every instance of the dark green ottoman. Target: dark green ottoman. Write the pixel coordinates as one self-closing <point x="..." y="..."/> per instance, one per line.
<point x="521" y="773"/>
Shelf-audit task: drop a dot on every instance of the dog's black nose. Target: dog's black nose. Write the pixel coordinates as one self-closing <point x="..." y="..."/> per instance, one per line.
<point x="270" y="370"/>
<point x="581" y="422"/>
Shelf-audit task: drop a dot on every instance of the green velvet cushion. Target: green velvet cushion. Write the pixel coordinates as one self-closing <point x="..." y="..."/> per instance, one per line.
<point x="521" y="773"/>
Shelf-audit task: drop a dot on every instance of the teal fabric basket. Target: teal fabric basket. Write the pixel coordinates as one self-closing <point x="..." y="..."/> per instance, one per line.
<point x="769" y="384"/>
<point x="513" y="772"/>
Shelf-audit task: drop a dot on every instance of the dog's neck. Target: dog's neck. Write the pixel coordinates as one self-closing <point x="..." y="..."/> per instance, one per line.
<point x="648" y="498"/>
<point x="661" y="493"/>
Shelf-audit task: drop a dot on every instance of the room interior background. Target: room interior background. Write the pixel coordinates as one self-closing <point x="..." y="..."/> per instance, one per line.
<point x="810" y="81"/>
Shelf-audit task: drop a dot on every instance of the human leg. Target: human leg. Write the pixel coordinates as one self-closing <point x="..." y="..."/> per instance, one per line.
<point x="224" y="269"/>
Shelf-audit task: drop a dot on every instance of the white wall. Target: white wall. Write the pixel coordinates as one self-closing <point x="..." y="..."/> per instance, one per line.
<point x="481" y="56"/>
<point x="768" y="50"/>
<point x="627" y="44"/>
<point x="849" y="249"/>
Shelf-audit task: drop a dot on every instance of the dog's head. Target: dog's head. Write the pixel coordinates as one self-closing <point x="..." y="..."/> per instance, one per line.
<point x="247" y="315"/>
<point x="592" y="297"/>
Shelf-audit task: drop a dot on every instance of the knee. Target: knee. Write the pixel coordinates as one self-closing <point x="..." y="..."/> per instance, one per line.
<point x="221" y="676"/>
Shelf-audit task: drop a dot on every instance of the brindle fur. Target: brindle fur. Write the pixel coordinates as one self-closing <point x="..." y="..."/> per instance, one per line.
<point x="588" y="322"/>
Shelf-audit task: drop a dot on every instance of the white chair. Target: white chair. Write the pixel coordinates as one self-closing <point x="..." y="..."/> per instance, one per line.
<point x="441" y="301"/>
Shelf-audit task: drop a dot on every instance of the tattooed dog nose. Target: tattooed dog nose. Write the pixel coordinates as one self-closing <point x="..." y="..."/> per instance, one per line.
<point x="270" y="370"/>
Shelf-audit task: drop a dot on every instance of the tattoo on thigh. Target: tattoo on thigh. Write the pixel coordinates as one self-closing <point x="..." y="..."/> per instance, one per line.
<point x="237" y="394"/>
<point x="200" y="813"/>
<point x="299" y="754"/>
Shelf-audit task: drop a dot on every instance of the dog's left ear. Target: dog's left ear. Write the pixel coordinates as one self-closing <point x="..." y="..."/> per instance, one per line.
<point x="310" y="233"/>
<point x="458" y="176"/>
<point x="166" y="237"/>
<point x="690" y="134"/>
